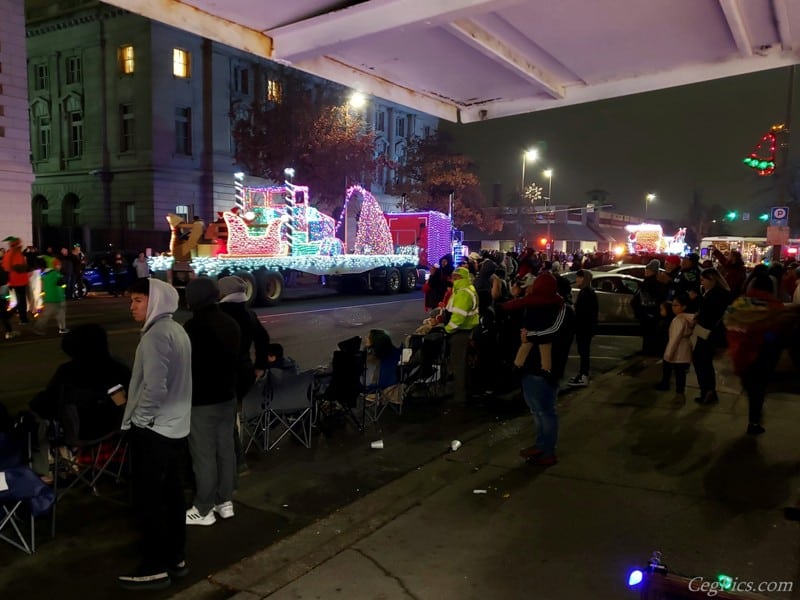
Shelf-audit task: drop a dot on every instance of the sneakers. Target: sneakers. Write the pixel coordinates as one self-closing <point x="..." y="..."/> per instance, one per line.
<point x="755" y="429"/>
<point x="708" y="398"/>
<point x="224" y="510"/>
<point x="178" y="570"/>
<point x="530" y="452"/>
<point x="543" y="461"/>
<point x="578" y="381"/>
<point x="145" y="580"/>
<point x="193" y="517"/>
<point x="63" y="331"/>
<point x="10" y="335"/>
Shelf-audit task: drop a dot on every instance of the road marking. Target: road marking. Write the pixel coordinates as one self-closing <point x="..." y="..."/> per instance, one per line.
<point x="319" y="310"/>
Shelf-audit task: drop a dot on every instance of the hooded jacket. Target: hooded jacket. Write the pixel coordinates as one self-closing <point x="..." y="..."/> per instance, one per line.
<point x="160" y="393"/>
<point x="16" y="266"/>
<point x="463" y="304"/>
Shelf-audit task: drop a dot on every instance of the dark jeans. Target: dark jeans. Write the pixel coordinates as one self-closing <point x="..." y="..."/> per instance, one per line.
<point x="584" y="343"/>
<point x="21" y="292"/>
<point x="703" y="362"/>
<point x="158" y="497"/>
<point x="756" y="377"/>
<point x="459" y="349"/>
<point x="680" y="370"/>
<point x="540" y="396"/>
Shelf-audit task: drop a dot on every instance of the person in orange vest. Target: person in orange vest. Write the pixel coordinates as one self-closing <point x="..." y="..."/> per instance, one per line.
<point x="15" y="264"/>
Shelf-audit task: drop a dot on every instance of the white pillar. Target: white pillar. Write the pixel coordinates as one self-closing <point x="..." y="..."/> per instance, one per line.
<point x="16" y="175"/>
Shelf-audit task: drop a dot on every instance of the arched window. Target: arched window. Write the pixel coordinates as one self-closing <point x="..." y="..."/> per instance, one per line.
<point x="39" y="208"/>
<point x="70" y="210"/>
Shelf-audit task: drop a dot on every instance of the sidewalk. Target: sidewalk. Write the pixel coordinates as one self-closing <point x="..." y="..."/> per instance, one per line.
<point x="635" y="476"/>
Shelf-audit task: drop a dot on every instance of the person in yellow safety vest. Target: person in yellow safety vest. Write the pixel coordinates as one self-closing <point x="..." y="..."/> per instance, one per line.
<point x="463" y="309"/>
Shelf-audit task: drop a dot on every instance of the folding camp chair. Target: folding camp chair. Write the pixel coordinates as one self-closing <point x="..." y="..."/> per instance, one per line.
<point x="280" y="404"/>
<point x="83" y="453"/>
<point x="424" y="364"/>
<point x="337" y="391"/>
<point x="383" y="386"/>
<point x="23" y="496"/>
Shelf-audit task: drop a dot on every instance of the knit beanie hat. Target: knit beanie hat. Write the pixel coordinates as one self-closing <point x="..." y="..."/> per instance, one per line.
<point x="231" y="285"/>
<point x="201" y="292"/>
<point x="653" y="266"/>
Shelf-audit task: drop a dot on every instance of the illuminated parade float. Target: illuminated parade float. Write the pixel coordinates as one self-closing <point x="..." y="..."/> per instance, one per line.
<point x="273" y="233"/>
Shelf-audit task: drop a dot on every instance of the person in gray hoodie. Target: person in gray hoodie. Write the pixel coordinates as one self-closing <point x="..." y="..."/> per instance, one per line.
<point x="158" y="416"/>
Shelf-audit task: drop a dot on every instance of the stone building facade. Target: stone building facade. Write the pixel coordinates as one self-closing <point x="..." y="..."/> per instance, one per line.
<point x="15" y="167"/>
<point x="130" y="119"/>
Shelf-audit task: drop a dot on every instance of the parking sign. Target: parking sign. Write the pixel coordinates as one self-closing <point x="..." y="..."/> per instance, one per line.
<point x="779" y="216"/>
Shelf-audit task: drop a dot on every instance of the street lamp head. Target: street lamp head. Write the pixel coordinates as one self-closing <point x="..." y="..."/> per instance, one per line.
<point x="650" y="197"/>
<point x="548" y="173"/>
<point x="357" y="100"/>
<point x="289" y="172"/>
<point x="531" y="154"/>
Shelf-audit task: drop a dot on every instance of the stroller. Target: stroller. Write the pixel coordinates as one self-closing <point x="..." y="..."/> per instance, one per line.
<point x="424" y="364"/>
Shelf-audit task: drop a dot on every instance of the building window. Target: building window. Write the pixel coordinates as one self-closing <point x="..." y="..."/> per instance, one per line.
<point x="426" y="131"/>
<point x="73" y="70"/>
<point x="75" y="122"/>
<point x="400" y="130"/>
<point x="125" y="59"/>
<point x="180" y="63"/>
<point x="43" y="150"/>
<point x="183" y="131"/>
<point x="274" y="91"/>
<point x="380" y="121"/>
<point x="241" y="80"/>
<point x="129" y="215"/>
<point x="126" y="127"/>
<point x="42" y="77"/>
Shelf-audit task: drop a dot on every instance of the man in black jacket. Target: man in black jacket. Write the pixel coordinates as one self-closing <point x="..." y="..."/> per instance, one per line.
<point x="587" y="310"/>
<point x="215" y="356"/>
<point x="253" y="337"/>
<point x="540" y="391"/>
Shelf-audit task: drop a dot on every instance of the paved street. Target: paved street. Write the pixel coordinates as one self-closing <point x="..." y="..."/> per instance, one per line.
<point x="405" y="521"/>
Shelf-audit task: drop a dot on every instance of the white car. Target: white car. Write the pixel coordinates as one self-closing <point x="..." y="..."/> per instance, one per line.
<point x="614" y="294"/>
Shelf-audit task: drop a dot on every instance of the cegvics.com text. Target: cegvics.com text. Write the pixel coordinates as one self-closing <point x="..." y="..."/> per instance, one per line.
<point x="711" y="588"/>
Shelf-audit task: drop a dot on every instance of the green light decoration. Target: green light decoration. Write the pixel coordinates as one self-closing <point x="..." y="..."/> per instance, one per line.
<point x="725" y="581"/>
<point x="762" y="158"/>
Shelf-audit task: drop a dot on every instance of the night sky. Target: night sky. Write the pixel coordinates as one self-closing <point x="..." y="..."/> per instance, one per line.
<point x="672" y="143"/>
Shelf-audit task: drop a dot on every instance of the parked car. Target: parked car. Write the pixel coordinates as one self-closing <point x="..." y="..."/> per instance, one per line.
<point x="624" y="269"/>
<point x="614" y="294"/>
<point x="99" y="275"/>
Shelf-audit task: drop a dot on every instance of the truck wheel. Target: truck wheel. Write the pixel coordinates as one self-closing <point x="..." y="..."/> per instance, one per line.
<point x="270" y="287"/>
<point x="249" y="286"/>
<point x="393" y="281"/>
<point x="409" y="280"/>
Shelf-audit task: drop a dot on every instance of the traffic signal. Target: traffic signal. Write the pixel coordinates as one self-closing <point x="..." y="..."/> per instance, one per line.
<point x="732" y="215"/>
<point x="764" y="217"/>
<point x="543" y="241"/>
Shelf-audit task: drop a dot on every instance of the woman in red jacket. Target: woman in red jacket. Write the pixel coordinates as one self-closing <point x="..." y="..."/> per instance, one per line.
<point x="16" y="266"/>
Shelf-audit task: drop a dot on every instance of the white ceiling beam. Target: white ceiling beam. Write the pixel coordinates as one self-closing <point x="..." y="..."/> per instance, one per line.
<point x="735" y="19"/>
<point x="781" y="12"/>
<point x="204" y="24"/>
<point x="334" y="70"/>
<point x="316" y="35"/>
<point x="626" y="87"/>
<point x="489" y="45"/>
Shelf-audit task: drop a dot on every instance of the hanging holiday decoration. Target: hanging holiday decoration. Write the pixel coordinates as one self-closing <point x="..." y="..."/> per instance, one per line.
<point x="762" y="158"/>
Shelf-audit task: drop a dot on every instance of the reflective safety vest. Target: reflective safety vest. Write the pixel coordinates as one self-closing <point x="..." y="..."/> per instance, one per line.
<point x="463" y="309"/>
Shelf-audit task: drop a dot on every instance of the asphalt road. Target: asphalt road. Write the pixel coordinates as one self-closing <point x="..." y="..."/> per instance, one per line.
<point x="289" y="488"/>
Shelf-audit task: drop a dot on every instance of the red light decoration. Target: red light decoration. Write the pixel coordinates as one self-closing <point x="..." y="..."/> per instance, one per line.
<point x="762" y="158"/>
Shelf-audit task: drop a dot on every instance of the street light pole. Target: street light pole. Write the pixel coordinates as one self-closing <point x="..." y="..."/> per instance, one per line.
<point x="549" y="174"/>
<point x="531" y="154"/>
<point x="647" y="200"/>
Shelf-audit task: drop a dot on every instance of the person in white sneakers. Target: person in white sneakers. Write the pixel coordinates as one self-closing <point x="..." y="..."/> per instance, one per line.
<point x="587" y="310"/>
<point x="215" y="340"/>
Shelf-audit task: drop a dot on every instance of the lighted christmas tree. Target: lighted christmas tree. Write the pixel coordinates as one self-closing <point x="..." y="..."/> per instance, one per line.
<point x="373" y="235"/>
